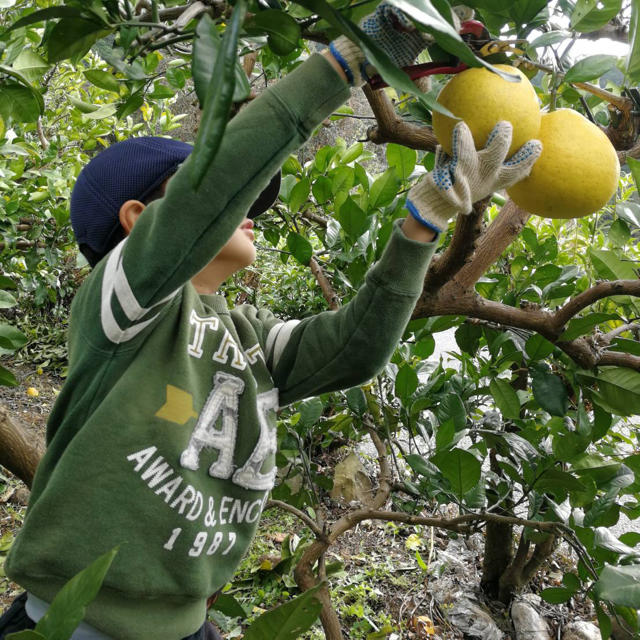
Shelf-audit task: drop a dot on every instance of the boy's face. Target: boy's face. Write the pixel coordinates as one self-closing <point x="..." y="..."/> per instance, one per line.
<point x="239" y="252"/>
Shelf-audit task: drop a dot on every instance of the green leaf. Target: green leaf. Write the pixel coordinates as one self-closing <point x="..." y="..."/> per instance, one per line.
<point x="228" y="605"/>
<point x="420" y="465"/>
<point x="219" y="92"/>
<point x="619" y="387"/>
<point x="130" y="105"/>
<point x="579" y="326"/>
<point x="352" y="153"/>
<point x="7" y="283"/>
<point x="105" y="111"/>
<point x="73" y="37"/>
<point x="607" y="540"/>
<point x="47" y="14"/>
<point x="620" y="585"/>
<point x="299" y="195"/>
<point x="445" y="435"/>
<point x="283" y="32"/>
<point x="102" y="79"/>
<point x="68" y="607"/>
<point x="452" y="408"/>
<point x="19" y="103"/>
<point x="300" y="247"/>
<point x="206" y="48"/>
<point x="461" y="468"/>
<point x="406" y="382"/>
<point x="352" y="218"/>
<point x="590" y="68"/>
<point x="619" y="233"/>
<point x="634" y="165"/>
<point x="556" y="595"/>
<point x="356" y="400"/>
<point x="288" y="621"/>
<point x="609" y="266"/>
<point x="7" y="379"/>
<point x="26" y="635"/>
<point x="7" y="300"/>
<point x="626" y="346"/>
<point x="550" y="393"/>
<point x="11" y="338"/>
<point x="468" y="337"/>
<point x="30" y="65"/>
<point x="342" y="179"/>
<point x="321" y="189"/>
<point x="599" y="513"/>
<point x="557" y="482"/>
<point x="402" y="159"/>
<point x="310" y="412"/>
<point x="538" y="347"/>
<point x="633" y="57"/>
<point x="506" y="398"/>
<point x="384" y="189"/>
<point x="588" y="16"/>
<point x="549" y="38"/>
<point x="630" y="211"/>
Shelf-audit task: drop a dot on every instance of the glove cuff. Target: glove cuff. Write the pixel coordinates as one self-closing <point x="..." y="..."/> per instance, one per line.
<point x="427" y="206"/>
<point x="351" y="58"/>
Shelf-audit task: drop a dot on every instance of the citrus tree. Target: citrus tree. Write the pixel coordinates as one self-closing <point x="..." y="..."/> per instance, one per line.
<point x="530" y="432"/>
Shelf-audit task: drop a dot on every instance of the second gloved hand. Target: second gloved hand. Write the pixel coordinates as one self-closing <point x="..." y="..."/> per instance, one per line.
<point x="467" y="176"/>
<point x="392" y="31"/>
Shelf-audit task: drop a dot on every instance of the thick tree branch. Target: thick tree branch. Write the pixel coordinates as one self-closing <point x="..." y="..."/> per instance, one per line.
<point x="618" y="331"/>
<point x="18" y="454"/>
<point x="451" y="300"/>
<point x="624" y="104"/>
<point x="498" y="236"/>
<point x="392" y="128"/>
<point x="385" y="478"/>
<point x="634" y="152"/>
<point x="588" y="297"/>
<point x="462" y="245"/>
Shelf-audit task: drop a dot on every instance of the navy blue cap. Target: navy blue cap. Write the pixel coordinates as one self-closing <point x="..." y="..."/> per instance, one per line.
<point x="131" y="170"/>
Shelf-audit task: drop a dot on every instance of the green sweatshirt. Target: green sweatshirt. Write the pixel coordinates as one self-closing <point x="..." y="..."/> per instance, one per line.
<point x="163" y="439"/>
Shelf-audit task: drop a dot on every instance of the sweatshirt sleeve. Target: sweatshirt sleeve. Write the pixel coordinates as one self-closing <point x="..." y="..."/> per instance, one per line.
<point x="339" y="349"/>
<point x="176" y="236"/>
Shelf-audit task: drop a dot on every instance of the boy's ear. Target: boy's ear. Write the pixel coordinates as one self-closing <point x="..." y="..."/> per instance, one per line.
<point x="129" y="213"/>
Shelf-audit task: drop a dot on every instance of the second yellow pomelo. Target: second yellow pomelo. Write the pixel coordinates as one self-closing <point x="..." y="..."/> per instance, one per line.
<point x="482" y="98"/>
<point x="577" y="173"/>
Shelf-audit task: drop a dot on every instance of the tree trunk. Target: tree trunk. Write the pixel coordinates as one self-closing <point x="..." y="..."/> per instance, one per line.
<point x="498" y="555"/>
<point x="305" y="579"/>
<point x="18" y="453"/>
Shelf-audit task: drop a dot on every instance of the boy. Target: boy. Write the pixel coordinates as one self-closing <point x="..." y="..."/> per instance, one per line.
<point x="163" y="439"/>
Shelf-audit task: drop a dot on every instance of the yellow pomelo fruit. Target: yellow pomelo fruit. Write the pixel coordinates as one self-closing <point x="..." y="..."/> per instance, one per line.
<point x="577" y="173"/>
<point x="482" y="98"/>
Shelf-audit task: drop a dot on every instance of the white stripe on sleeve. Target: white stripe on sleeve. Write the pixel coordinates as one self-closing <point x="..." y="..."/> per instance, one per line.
<point x="277" y="340"/>
<point x="114" y="281"/>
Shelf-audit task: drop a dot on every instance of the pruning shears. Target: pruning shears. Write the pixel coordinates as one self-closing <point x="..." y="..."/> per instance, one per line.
<point x="476" y="36"/>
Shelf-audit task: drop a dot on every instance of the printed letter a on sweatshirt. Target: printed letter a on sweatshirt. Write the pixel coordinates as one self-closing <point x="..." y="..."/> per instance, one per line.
<point x="221" y="403"/>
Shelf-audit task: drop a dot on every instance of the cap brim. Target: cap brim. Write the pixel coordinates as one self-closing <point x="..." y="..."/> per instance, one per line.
<point x="266" y="198"/>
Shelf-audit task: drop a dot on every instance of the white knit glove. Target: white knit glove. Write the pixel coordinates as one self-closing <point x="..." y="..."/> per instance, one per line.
<point x="467" y="176"/>
<point x="393" y="32"/>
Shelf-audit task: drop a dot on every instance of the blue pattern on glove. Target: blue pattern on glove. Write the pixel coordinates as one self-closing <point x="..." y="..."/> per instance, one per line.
<point x="395" y="34"/>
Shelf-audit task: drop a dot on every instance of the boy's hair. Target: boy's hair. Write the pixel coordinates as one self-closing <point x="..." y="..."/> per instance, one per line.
<point x="134" y="169"/>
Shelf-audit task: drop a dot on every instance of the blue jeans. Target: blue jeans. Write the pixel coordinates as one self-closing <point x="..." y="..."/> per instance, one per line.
<point x="15" y="619"/>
